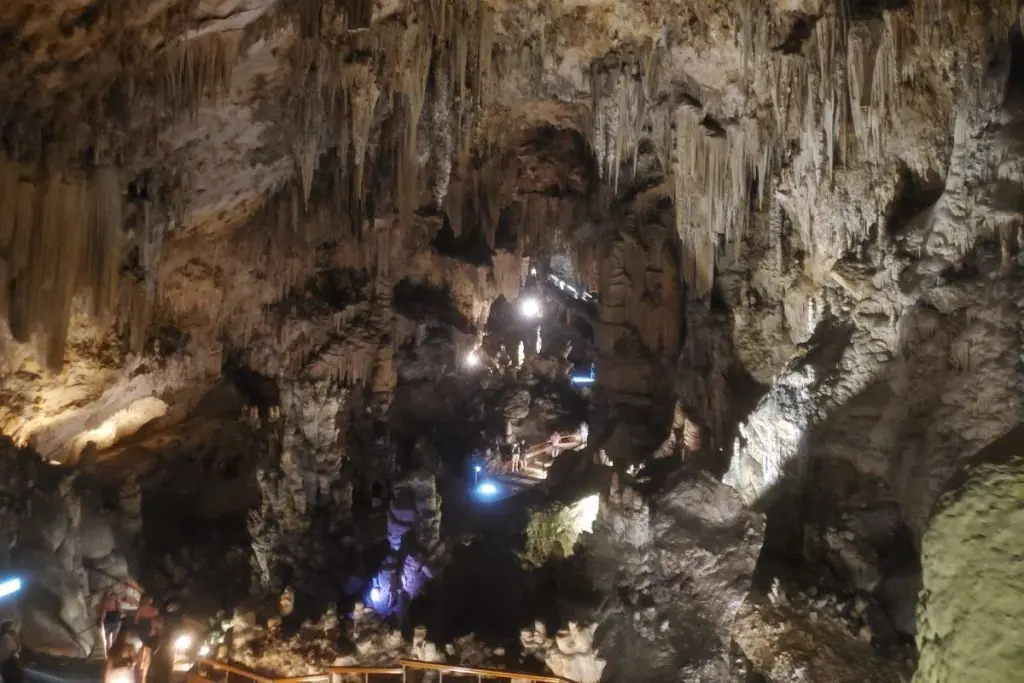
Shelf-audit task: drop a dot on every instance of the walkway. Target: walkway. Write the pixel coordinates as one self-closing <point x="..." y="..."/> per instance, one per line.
<point x="210" y="671"/>
<point x="538" y="461"/>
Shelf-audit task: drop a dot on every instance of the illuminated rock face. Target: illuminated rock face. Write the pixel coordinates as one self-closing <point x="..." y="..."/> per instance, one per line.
<point x="681" y="565"/>
<point x="65" y="549"/>
<point x="802" y="221"/>
<point x="569" y="654"/>
<point x="972" y="604"/>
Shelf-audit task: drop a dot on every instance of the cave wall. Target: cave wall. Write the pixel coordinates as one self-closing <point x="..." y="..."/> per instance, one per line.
<point x="802" y="219"/>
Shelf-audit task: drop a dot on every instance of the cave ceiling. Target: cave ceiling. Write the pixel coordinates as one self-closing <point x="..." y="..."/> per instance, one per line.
<point x="174" y="174"/>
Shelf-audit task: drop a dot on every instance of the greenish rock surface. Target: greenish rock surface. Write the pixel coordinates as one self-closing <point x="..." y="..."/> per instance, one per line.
<point x="971" y="611"/>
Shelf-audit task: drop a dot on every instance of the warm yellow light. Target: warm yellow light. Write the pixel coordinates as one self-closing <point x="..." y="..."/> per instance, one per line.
<point x="585" y="513"/>
<point x="183" y="641"/>
<point x="472" y="359"/>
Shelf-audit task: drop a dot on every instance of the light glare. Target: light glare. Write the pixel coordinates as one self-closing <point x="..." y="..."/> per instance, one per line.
<point x="529" y="307"/>
<point x="487" y="489"/>
<point x="9" y="587"/>
<point x="183" y="641"/>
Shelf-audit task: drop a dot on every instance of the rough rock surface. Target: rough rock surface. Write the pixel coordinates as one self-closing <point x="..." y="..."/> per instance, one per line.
<point x="793" y="645"/>
<point x="972" y="603"/>
<point x="676" y="567"/>
<point x="801" y="218"/>
<point x="570" y="654"/>
<point x="66" y="550"/>
<point x="317" y="645"/>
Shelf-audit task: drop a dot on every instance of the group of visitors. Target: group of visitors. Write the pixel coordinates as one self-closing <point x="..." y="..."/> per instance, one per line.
<point x="130" y="641"/>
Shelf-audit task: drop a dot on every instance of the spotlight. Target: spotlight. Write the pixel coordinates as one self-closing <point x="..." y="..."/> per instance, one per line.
<point x="9" y="587"/>
<point x="487" y="490"/>
<point x="472" y="359"/>
<point x="183" y="642"/>
<point x="477" y="468"/>
<point x="529" y="308"/>
<point x="204" y="650"/>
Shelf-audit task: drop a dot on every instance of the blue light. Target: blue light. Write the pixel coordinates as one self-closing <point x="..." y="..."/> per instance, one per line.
<point x="9" y="587"/>
<point x="477" y="468"/>
<point x="375" y="595"/>
<point x="585" y="379"/>
<point x="487" y="489"/>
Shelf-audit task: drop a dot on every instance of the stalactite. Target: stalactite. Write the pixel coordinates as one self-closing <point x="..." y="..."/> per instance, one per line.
<point x="508" y="274"/>
<point x="414" y="91"/>
<point x="59" y="235"/>
<point x="104" y="245"/>
<point x="712" y="177"/>
<point x="306" y="161"/>
<point x="196" y="68"/>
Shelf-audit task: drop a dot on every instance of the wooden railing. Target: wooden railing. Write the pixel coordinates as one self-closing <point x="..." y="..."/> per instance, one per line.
<point x="565" y="443"/>
<point x="334" y="674"/>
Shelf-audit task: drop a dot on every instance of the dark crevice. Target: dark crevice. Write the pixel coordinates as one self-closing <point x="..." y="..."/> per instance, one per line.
<point x="866" y="10"/>
<point x="1015" y="80"/>
<point x="469" y="247"/>
<point x="799" y="32"/>
<point x="421" y="301"/>
<point x="914" y="194"/>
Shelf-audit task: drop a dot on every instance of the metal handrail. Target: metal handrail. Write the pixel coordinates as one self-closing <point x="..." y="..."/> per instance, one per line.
<point x="480" y="673"/>
<point x="259" y="678"/>
<point x="367" y="671"/>
<point x="563" y="442"/>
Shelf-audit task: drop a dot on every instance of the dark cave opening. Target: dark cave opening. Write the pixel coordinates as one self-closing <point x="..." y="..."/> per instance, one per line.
<point x="470" y="246"/>
<point x="420" y="301"/>
<point x="1015" y="77"/>
<point x="914" y="194"/>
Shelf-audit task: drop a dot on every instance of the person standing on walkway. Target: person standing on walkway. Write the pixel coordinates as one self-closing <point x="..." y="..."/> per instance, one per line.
<point x="556" y="440"/>
<point x="110" y="618"/>
<point x="121" y="664"/>
<point x="146" y="626"/>
<point x="517" y="457"/>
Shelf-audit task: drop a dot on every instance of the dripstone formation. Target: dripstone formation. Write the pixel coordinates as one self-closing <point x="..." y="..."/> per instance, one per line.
<point x="248" y="247"/>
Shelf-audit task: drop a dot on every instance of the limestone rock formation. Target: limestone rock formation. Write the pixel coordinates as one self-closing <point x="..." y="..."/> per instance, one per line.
<point x="63" y="547"/>
<point x="789" y="233"/>
<point x="570" y="654"/>
<point x="971" y="604"/>
<point x="369" y="639"/>
<point x="679" y="564"/>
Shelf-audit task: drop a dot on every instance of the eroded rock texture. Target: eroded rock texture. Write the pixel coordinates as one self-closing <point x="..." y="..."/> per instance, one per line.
<point x="66" y="549"/>
<point x="676" y="568"/>
<point x="249" y="247"/>
<point x="971" y="605"/>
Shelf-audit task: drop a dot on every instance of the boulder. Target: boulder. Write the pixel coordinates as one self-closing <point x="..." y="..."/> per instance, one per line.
<point x="95" y="537"/>
<point x="971" y="612"/>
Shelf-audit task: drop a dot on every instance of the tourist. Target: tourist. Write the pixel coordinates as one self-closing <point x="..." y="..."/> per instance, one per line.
<point x="517" y="454"/>
<point x="110" y="618"/>
<point x="146" y="626"/>
<point x="556" y="440"/>
<point x="122" y="661"/>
